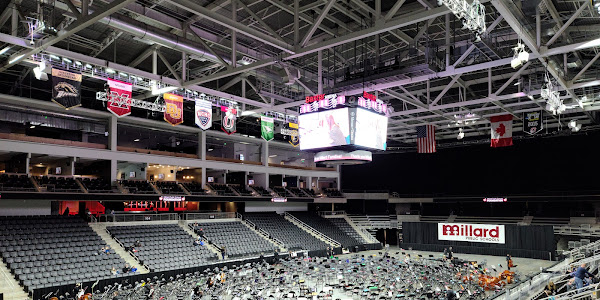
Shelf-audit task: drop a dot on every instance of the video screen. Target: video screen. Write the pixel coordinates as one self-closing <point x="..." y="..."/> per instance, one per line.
<point x="371" y="129"/>
<point x="324" y="129"/>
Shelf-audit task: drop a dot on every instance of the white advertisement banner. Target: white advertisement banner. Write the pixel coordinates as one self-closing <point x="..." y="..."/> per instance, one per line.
<point x="479" y="233"/>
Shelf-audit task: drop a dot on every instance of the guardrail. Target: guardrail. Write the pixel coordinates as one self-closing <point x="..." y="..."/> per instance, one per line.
<point x="332" y="213"/>
<point x="209" y="216"/>
<point x="138" y="217"/>
<point x="316" y="232"/>
<point x="584" y="231"/>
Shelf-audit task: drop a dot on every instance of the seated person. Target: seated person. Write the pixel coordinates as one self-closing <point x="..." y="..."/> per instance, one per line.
<point x="126" y="269"/>
<point x="550" y="289"/>
<point x="137" y="244"/>
<point x="198" y="242"/>
<point x="114" y="271"/>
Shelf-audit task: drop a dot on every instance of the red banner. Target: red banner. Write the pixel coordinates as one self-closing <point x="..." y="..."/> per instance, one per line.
<point x="229" y="115"/>
<point x="119" y="97"/>
<point x="174" y="109"/>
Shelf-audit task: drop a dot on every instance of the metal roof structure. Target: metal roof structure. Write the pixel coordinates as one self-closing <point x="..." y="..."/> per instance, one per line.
<point x="267" y="55"/>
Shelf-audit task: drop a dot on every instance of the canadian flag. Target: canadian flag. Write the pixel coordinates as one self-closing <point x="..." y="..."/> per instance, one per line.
<point x="501" y="131"/>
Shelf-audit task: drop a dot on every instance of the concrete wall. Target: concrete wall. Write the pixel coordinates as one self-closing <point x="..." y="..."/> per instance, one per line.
<point x="24" y="207"/>
<point x="276" y="207"/>
<point x="127" y="168"/>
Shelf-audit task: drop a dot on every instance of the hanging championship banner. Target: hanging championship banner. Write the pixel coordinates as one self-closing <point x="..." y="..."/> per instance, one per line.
<point x="204" y="114"/>
<point x="229" y="114"/>
<point x="532" y="122"/>
<point x="119" y="97"/>
<point x="267" y="128"/>
<point x="173" y="109"/>
<point x="66" y="88"/>
<point x="290" y="132"/>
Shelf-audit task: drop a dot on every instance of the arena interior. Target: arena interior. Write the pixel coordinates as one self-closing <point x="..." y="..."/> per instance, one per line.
<point x="299" y="149"/>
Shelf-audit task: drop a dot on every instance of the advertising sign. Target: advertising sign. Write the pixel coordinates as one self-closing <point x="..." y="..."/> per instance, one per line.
<point x="478" y="233"/>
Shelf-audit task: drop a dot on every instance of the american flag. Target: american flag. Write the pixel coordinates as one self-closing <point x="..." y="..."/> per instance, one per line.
<point x="426" y="139"/>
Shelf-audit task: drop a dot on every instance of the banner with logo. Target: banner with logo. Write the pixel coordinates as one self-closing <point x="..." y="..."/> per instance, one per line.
<point x="173" y="109"/>
<point x="203" y="114"/>
<point x="66" y="88"/>
<point x="290" y="132"/>
<point x="229" y="115"/>
<point x="478" y="233"/>
<point x="119" y="97"/>
<point x="267" y="128"/>
<point x="533" y="122"/>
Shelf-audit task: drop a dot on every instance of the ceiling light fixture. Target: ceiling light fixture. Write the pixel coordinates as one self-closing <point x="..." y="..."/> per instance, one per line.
<point x="472" y="15"/>
<point x="12" y="60"/>
<point x="460" y="135"/>
<point x="520" y="56"/>
<point x="574" y="126"/>
<point x="136" y="140"/>
<point x="4" y="50"/>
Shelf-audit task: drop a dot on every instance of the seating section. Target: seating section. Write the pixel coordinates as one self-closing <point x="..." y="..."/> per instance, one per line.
<point x="97" y="185"/>
<point x="298" y="192"/>
<point x="309" y="192"/>
<point x="333" y="193"/>
<point x="59" y="184"/>
<point x="238" y="239"/>
<point x="137" y="187"/>
<point x="291" y="235"/>
<point x="344" y="226"/>
<point x="242" y="190"/>
<point x="15" y="182"/>
<point x="282" y="192"/>
<point x="45" y="251"/>
<point x="261" y="191"/>
<point x="327" y="228"/>
<point x="169" y="187"/>
<point x="164" y="247"/>
<point x="194" y="188"/>
<point x="221" y="189"/>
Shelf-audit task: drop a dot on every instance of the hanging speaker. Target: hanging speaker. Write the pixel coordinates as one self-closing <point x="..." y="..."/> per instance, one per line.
<point x="172" y="171"/>
<point x="143" y="169"/>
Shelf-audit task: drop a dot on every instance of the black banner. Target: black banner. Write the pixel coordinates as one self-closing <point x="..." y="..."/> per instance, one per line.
<point x="533" y="122"/>
<point x="520" y="241"/>
<point x="66" y="88"/>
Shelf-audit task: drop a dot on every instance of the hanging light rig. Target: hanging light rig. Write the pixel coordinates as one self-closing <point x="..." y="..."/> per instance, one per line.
<point x="472" y="15"/>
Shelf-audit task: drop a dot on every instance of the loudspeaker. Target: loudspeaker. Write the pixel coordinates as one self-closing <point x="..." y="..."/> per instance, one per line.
<point x="172" y="171"/>
<point x="143" y="169"/>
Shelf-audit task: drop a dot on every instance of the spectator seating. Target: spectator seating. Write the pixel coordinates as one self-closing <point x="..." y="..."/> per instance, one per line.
<point x="221" y="189"/>
<point x="97" y="185"/>
<point x="169" y="187"/>
<point x="261" y="191"/>
<point x="45" y="251"/>
<point x="327" y="228"/>
<point x="344" y="226"/>
<point x="238" y="239"/>
<point x="13" y="182"/>
<point x="282" y="192"/>
<point x="59" y="184"/>
<point x="309" y="192"/>
<point x="137" y="187"/>
<point x="242" y="190"/>
<point x="298" y="192"/>
<point x="194" y="188"/>
<point x="164" y="247"/>
<point x="292" y="236"/>
<point x="333" y="193"/>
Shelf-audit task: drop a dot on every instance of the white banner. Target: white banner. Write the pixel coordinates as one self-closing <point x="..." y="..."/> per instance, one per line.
<point x="479" y="233"/>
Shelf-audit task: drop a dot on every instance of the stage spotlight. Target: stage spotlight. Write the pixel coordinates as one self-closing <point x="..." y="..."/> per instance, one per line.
<point x="574" y="126"/>
<point x="40" y="72"/>
<point x="460" y="135"/>
<point x="520" y="56"/>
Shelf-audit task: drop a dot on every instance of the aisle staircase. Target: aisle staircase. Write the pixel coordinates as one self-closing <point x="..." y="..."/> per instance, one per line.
<point x="211" y="247"/>
<point x="100" y="229"/>
<point x="317" y="234"/>
<point x="9" y="286"/>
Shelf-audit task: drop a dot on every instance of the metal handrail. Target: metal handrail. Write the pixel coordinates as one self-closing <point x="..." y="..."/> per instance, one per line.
<point x="140" y="217"/>
<point x="321" y="235"/>
<point x="332" y="213"/>
<point x="209" y="216"/>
